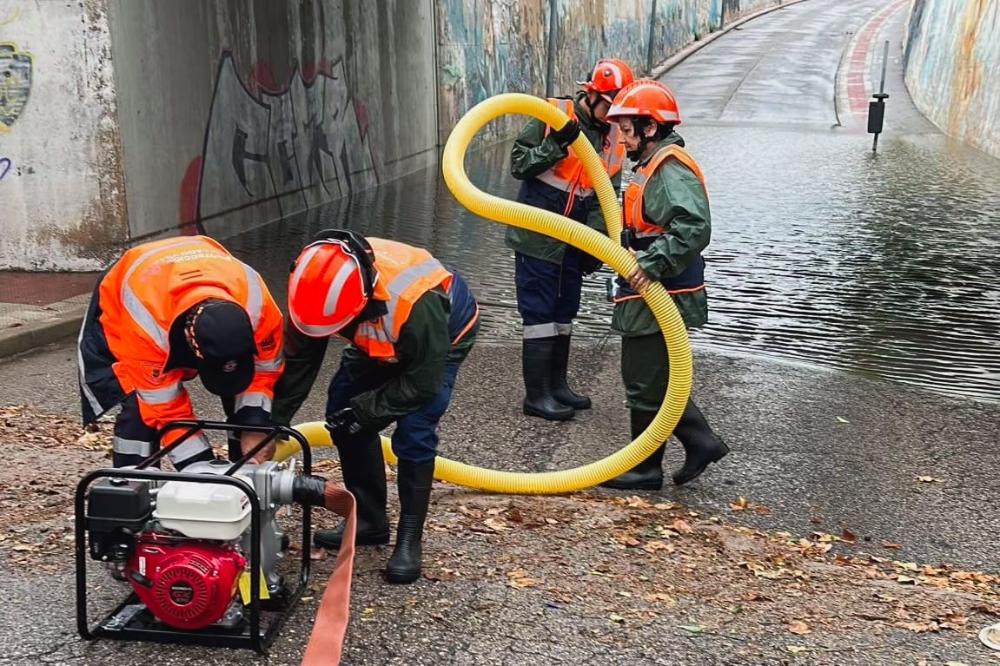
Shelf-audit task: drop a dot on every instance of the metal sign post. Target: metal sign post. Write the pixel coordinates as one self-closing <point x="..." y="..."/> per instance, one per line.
<point x="876" y="109"/>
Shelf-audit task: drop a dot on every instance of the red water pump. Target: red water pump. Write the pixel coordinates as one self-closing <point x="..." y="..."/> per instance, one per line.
<point x="186" y="584"/>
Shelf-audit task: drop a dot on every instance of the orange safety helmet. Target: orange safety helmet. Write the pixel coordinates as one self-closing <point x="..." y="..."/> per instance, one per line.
<point x="609" y="76"/>
<point x="332" y="281"/>
<point x="647" y="98"/>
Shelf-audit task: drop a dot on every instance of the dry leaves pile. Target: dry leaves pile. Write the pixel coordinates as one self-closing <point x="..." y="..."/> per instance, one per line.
<point x="627" y="560"/>
<point x="45" y="455"/>
<point x="635" y="563"/>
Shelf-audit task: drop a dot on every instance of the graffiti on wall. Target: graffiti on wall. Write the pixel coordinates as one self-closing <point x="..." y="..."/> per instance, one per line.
<point x="952" y="65"/>
<point x="486" y="49"/>
<point x="299" y="145"/>
<point x="15" y="84"/>
<point x="5" y="167"/>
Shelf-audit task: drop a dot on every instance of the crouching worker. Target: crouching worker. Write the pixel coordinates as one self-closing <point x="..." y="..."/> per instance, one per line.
<point x="165" y="313"/>
<point x="411" y="323"/>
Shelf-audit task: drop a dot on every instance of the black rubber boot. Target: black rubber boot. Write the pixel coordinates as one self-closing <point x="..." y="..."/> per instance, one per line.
<point x="560" y="364"/>
<point x="364" y="476"/>
<point x="701" y="445"/>
<point x="536" y="364"/>
<point x="414" y="495"/>
<point x="647" y="475"/>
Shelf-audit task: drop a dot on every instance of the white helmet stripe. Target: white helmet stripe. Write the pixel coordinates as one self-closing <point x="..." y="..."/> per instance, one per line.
<point x="618" y="74"/>
<point x="337" y="285"/>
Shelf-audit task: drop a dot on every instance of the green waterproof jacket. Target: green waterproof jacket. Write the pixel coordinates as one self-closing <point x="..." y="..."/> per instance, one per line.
<point x="424" y="349"/>
<point x="676" y="200"/>
<point x="533" y="153"/>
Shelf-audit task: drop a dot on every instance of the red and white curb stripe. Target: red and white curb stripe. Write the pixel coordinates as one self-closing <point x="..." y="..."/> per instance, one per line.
<point x="855" y="86"/>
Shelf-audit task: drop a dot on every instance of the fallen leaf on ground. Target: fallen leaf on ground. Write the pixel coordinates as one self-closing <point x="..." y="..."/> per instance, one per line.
<point x="929" y="479"/>
<point x="798" y="627"/>
<point x="692" y="628"/>
<point x="627" y="540"/>
<point x="653" y="546"/>
<point x="841" y="419"/>
<point x="496" y="524"/>
<point x="796" y="649"/>
<point x="891" y="544"/>
<point x="919" y="627"/>
<point x="848" y="536"/>
<point x="519" y="579"/>
<point x="680" y="525"/>
<point x="659" y="597"/>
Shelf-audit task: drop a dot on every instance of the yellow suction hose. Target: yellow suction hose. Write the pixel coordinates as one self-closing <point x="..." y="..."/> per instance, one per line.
<point x="584" y="238"/>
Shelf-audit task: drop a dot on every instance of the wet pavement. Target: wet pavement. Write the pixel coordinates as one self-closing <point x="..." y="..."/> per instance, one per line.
<point x="836" y="278"/>
<point x="821" y="252"/>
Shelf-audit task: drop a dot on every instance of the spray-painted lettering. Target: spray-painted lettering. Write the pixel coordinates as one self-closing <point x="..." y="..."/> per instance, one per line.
<point x="295" y="146"/>
<point x="5" y="166"/>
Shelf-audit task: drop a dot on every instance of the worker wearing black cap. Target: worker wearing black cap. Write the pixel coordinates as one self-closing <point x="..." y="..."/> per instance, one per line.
<point x="164" y="313"/>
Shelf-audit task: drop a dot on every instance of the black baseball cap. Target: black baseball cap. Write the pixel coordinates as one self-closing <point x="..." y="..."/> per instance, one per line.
<point x="225" y="340"/>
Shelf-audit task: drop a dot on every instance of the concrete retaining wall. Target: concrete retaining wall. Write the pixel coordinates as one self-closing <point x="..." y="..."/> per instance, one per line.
<point x="61" y="194"/>
<point x="236" y="113"/>
<point x="514" y="36"/>
<point x="952" y="62"/>
<point x="224" y="115"/>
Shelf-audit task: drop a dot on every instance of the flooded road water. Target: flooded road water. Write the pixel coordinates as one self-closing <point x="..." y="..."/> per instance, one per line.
<point x="821" y="252"/>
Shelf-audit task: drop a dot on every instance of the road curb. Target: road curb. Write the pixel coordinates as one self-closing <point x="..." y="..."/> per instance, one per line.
<point x="694" y="47"/>
<point x="37" y="334"/>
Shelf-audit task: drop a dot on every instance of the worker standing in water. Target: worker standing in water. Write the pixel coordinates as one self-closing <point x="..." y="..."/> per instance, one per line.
<point x="667" y="225"/>
<point x="549" y="273"/>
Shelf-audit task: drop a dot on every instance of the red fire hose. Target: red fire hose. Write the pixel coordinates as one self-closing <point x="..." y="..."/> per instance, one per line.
<point x="326" y="643"/>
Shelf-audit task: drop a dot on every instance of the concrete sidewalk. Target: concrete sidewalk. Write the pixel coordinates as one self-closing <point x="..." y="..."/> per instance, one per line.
<point x="40" y="308"/>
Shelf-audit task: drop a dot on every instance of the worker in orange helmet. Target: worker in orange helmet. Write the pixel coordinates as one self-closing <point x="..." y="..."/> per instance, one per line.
<point x="410" y="323"/>
<point x="549" y="273"/>
<point x="667" y="224"/>
<point x="164" y="313"/>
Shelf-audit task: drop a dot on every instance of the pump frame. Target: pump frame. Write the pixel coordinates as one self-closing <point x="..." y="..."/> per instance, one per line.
<point x="126" y="624"/>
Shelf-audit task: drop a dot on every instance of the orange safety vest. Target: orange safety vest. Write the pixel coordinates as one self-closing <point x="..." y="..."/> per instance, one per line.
<point x="405" y="273"/>
<point x="148" y="288"/>
<point x="568" y="173"/>
<point x="691" y="279"/>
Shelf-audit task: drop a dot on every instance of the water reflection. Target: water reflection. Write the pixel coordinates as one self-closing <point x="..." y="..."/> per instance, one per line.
<point x="821" y="252"/>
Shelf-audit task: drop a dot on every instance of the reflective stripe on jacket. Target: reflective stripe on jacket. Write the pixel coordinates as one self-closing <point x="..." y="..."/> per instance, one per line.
<point x="152" y="284"/>
<point x="569" y="174"/>
<point x="405" y="274"/>
<point x="641" y="233"/>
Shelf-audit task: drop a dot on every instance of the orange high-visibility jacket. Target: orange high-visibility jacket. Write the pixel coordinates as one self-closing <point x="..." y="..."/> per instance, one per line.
<point x="632" y="201"/>
<point x="148" y="288"/>
<point x="693" y="278"/>
<point x="568" y="173"/>
<point x="405" y="273"/>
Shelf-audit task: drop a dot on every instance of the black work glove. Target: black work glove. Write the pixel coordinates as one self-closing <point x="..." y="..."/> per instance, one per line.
<point x="589" y="264"/>
<point x="567" y="134"/>
<point x="343" y="424"/>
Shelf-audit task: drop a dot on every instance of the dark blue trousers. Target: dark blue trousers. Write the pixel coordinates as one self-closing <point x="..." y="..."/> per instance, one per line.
<point x="415" y="438"/>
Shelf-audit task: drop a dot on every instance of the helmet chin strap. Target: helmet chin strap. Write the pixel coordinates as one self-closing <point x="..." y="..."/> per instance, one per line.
<point x="640" y="125"/>
<point x="592" y="108"/>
